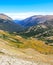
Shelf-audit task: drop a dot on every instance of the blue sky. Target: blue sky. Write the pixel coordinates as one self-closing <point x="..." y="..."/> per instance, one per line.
<point x="26" y="8"/>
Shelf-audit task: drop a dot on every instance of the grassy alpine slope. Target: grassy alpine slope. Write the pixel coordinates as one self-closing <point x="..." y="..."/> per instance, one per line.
<point x="27" y="51"/>
<point x="20" y="42"/>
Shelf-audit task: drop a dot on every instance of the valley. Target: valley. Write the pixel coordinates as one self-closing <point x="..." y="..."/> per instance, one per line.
<point x="26" y="45"/>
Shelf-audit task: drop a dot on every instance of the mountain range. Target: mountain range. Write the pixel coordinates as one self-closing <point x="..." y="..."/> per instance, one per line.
<point x="37" y="26"/>
<point x="34" y="20"/>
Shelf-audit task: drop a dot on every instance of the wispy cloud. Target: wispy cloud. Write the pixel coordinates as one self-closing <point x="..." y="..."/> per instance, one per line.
<point x="26" y="14"/>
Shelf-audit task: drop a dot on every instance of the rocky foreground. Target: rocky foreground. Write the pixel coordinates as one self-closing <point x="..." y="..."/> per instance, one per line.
<point x="17" y="56"/>
<point x="10" y="60"/>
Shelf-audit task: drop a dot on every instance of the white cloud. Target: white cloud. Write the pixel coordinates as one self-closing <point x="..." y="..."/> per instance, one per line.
<point x="26" y="14"/>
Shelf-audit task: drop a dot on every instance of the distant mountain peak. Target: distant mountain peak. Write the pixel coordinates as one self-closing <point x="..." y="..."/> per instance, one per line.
<point x="7" y="24"/>
<point x="3" y="16"/>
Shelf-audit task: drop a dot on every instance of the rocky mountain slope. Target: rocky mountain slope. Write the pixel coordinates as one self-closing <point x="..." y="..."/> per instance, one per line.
<point x="34" y="20"/>
<point x="7" y="24"/>
<point x="43" y="30"/>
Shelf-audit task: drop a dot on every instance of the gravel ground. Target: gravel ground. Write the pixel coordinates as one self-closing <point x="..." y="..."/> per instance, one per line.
<point x="8" y="60"/>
